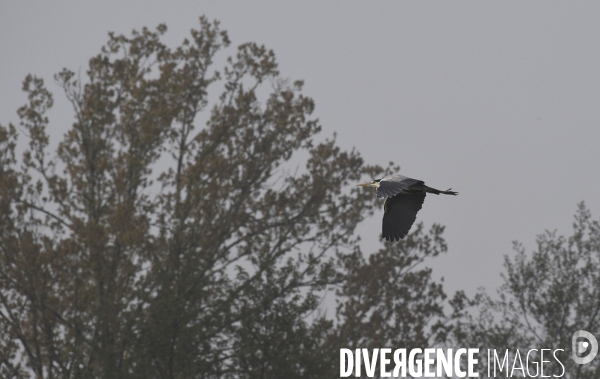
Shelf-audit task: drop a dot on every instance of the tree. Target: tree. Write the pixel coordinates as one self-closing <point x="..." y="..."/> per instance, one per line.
<point x="146" y="246"/>
<point x="545" y="298"/>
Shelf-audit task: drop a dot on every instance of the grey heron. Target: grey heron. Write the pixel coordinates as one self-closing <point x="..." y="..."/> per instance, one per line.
<point x="403" y="199"/>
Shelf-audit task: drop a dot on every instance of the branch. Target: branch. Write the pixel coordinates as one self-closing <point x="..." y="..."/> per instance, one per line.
<point x="48" y="213"/>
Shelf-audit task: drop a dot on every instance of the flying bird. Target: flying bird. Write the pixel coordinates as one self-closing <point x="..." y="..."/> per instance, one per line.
<point x="403" y="199"/>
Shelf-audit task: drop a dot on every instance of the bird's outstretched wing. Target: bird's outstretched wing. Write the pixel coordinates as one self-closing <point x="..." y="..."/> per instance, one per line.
<point x="393" y="185"/>
<point x="399" y="214"/>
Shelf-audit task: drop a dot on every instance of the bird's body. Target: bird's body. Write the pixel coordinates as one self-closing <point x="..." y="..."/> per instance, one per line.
<point x="404" y="198"/>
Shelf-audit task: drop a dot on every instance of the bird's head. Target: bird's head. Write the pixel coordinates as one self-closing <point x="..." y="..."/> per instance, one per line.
<point x="372" y="183"/>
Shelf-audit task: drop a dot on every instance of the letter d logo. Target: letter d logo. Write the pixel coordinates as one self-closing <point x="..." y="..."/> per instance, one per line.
<point x="581" y="346"/>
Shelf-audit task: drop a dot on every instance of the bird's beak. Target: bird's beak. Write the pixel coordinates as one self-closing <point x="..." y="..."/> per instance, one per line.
<point x="367" y="184"/>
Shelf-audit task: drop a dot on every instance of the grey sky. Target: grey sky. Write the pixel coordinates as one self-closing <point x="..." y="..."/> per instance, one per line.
<point x="498" y="100"/>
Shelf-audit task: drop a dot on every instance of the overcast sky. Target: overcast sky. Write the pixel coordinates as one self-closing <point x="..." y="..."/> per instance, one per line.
<point x="498" y="100"/>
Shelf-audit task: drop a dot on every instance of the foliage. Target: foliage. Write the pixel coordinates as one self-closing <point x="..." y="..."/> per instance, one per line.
<point x="545" y="298"/>
<point x="146" y="246"/>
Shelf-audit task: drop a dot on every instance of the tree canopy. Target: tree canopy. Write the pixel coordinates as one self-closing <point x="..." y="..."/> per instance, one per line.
<point x="546" y="297"/>
<point x="190" y="223"/>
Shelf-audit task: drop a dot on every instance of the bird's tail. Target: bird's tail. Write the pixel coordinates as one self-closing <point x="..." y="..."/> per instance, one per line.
<point x="437" y="192"/>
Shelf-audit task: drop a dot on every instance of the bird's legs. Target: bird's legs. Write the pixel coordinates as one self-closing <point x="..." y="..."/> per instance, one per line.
<point x="437" y="192"/>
